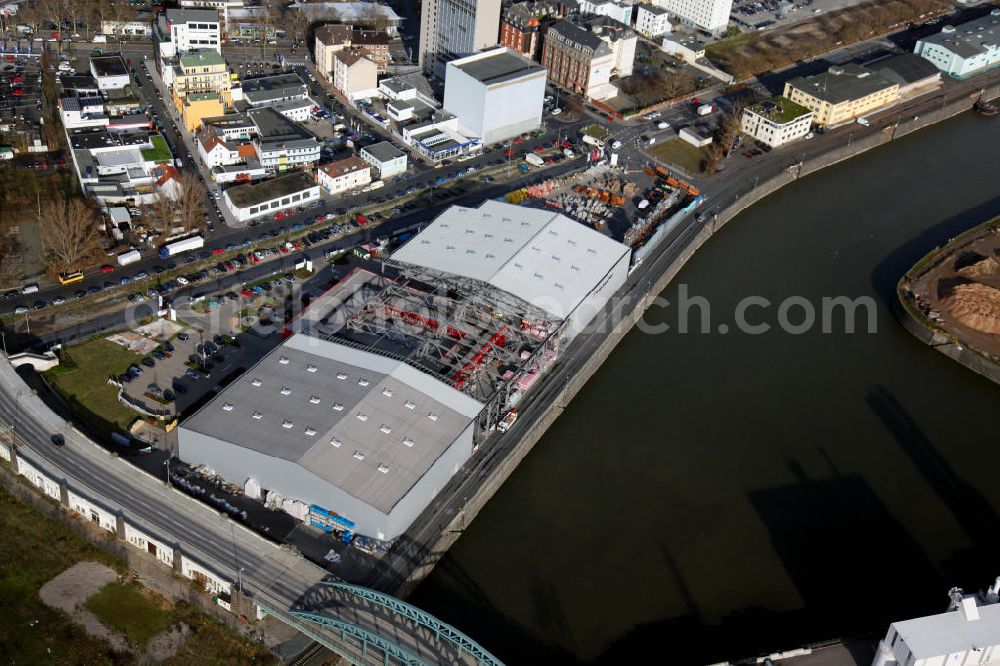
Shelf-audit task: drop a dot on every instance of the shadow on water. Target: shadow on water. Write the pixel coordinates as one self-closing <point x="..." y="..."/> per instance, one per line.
<point x="973" y="513"/>
<point x="834" y="536"/>
<point x="887" y="272"/>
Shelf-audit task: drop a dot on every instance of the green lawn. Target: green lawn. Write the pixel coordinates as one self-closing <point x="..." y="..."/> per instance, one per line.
<point x="597" y="132"/>
<point x="126" y="609"/>
<point x="33" y="550"/>
<point x="83" y="383"/>
<point x="681" y="153"/>
<point x="159" y="152"/>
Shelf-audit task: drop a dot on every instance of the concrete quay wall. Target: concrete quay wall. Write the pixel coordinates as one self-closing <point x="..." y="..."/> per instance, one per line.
<point x="580" y="376"/>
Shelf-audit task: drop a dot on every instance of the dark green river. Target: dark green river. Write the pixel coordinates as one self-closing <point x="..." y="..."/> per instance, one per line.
<point x="714" y="496"/>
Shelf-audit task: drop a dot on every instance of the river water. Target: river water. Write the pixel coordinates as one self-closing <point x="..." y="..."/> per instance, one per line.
<point x="714" y="496"/>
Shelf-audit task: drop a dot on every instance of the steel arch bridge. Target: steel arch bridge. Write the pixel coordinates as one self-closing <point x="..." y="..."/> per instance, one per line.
<point x="370" y="627"/>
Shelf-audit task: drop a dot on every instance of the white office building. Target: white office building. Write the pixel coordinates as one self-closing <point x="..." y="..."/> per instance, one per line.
<point x="619" y="11"/>
<point x="652" y="21"/>
<point x="495" y="95"/>
<point x="777" y="121"/>
<point x="180" y="31"/>
<point x="709" y="15"/>
<point x="268" y="197"/>
<point x="385" y="158"/>
<point x="964" y="50"/>
<point x="451" y="29"/>
<point x="967" y="635"/>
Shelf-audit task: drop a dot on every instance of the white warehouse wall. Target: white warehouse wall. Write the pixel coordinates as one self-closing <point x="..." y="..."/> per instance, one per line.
<point x="235" y="464"/>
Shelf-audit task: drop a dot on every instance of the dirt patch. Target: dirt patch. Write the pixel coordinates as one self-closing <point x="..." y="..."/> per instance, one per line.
<point x="959" y="288"/>
<point x="752" y="53"/>
<point x="70" y="589"/>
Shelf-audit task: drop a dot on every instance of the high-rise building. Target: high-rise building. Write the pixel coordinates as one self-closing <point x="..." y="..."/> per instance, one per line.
<point x="451" y="29"/>
<point x="708" y="15"/>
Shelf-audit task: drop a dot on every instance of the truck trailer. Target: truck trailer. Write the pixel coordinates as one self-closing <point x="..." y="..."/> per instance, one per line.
<point x="182" y="245"/>
<point x="129" y="257"/>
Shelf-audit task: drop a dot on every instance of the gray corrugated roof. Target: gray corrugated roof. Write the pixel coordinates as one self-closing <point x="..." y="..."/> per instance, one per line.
<point x="346" y="383"/>
<point x="542" y="257"/>
<point x="578" y="35"/>
<point x="383" y="151"/>
<point x="841" y="84"/>
<point x="906" y="68"/>
<point x="969" y="39"/>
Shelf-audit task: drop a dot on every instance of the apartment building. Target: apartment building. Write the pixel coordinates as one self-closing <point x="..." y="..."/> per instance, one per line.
<point x="201" y="72"/>
<point x="523" y="24"/>
<point x="344" y="175"/>
<point x="354" y="76"/>
<point x="652" y="21"/>
<point x="331" y="39"/>
<point x="619" y="11"/>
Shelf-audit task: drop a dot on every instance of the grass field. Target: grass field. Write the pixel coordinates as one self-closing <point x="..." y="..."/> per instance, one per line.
<point x="34" y="549"/>
<point x="127" y="610"/>
<point x="680" y="153"/>
<point x="82" y="383"/>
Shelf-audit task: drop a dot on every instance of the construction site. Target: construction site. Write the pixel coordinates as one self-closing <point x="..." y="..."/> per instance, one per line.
<point x="476" y="339"/>
<point x="625" y="205"/>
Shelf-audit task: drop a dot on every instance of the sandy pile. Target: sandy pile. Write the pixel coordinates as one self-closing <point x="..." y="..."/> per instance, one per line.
<point x="975" y="305"/>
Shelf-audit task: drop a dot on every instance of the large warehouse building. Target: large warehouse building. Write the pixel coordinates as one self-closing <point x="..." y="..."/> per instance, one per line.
<point x="542" y="257"/>
<point x="385" y="387"/>
<point x="362" y="434"/>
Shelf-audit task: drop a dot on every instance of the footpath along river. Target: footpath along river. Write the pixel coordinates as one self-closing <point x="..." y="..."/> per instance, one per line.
<point x="714" y="496"/>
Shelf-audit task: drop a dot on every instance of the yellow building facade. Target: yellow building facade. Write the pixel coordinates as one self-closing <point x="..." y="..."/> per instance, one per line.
<point x="197" y="106"/>
<point x="202" y="72"/>
<point x="842" y="94"/>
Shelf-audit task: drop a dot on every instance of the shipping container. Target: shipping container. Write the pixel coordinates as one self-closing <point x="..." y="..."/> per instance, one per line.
<point x="129" y="257"/>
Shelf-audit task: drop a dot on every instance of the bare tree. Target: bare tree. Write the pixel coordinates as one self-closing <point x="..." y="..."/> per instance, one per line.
<point x="189" y="205"/>
<point x="70" y="229"/>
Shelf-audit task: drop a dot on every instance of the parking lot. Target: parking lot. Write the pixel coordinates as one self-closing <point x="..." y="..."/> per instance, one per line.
<point x="20" y="89"/>
<point x="763" y="14"/>
<point x="217" y="341"/>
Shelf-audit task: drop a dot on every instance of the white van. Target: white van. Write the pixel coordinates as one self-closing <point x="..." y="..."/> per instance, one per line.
<point x="30" y="288"/>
